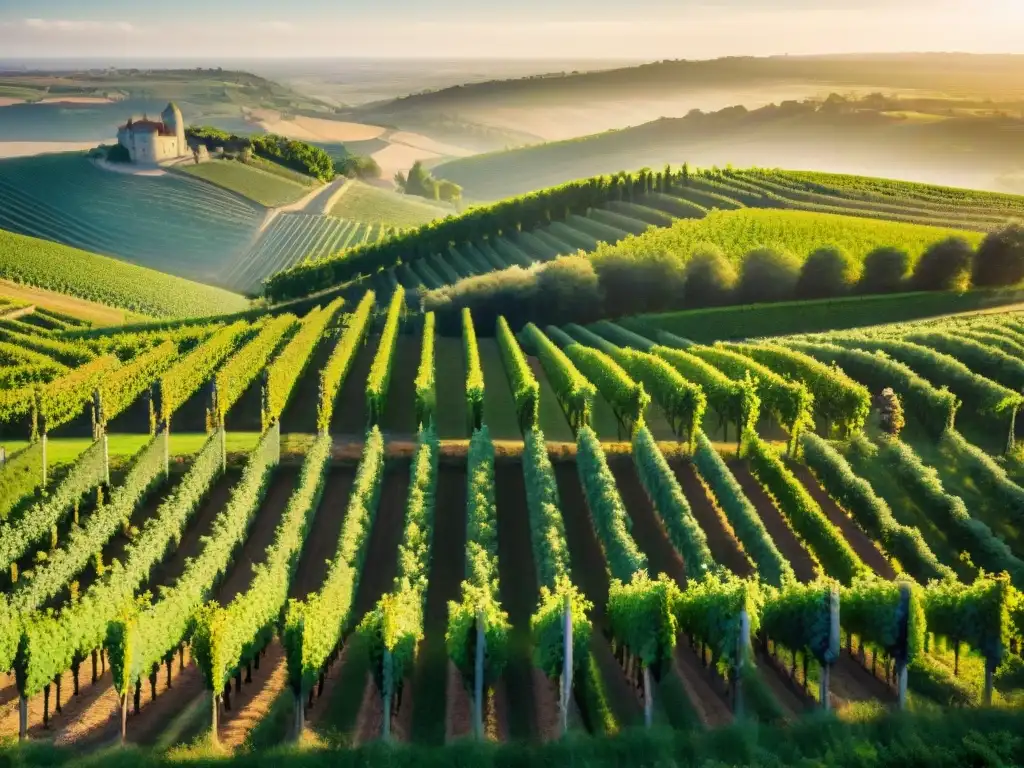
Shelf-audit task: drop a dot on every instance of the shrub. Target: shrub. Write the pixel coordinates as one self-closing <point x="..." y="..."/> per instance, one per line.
<point x="945" y="266"/>
<point x="709" y="278"/>
<point x="885" y="269"/>
<point x="624" y="279"/>
<point x="1000" y="258"/>
<point x="768" y="275"/>
<point x="827" y="272"/>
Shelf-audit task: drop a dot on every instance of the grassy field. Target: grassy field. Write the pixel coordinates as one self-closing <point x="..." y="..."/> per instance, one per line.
<point x="172" y="222"/>
<point x="373" y="205"/>
<point x="59" y="268"/>
<point x="723" y="323"/>
<point x="90" y="311"/>
<point x="261" y="186"/>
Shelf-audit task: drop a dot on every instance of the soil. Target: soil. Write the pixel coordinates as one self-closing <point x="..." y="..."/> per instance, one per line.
<point x="776" y="525"/>
<point x="722" y="542"/>
<point x="400" y="413"/>
<point x="370" y="723"/>
<point x="861" y="543"/>
<point x="381" y="561"/>
<point x="300" y="413"/>
<point x="527" y="702"/>
<point x="322" y="540"/>
<point x="451" y="389"/>
<point x="704" y="694"/>
<point x="255" y="700"/>
<point x="447" y="569"/>
<point x="648" y="529"/>
<point x="350" y="405"/>
<point x="199" y="526"/>
<point x="791" y="697"/>
<point x="850" y="682"/>
<point x="260" y="535"/>
<point x="458" y="707"/>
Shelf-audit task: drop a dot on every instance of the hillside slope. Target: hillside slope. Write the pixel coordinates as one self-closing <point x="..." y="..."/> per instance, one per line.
<point x="108" y="281"/>
<point x="867" y="137"/>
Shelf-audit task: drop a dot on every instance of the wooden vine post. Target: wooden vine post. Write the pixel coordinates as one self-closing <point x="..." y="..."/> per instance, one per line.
<point x="567" y="664"/>
<point x="478" y="677"/>
<point x="23" y="718"/>
<point x="902" y="637"/>
<point x="833" y="648"/>
<point x="215" y="717"/>
<point x="389" y="686"/>
<point x="742" y="658"/>
<point x="648" y="697"/>
<point x="123" y="700"/>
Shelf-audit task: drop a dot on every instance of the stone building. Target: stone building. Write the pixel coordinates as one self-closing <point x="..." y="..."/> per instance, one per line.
<point x="150" y="141"/>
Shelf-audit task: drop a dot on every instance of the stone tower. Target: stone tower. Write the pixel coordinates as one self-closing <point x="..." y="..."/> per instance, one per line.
<point x="172" y="118"/>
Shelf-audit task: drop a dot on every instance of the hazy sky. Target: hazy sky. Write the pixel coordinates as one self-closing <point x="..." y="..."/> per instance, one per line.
<point x="644" y="29"/>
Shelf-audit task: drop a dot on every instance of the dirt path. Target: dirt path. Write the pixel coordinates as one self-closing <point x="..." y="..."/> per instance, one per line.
<point x="861" y="543"/>
<point x="531" y="708"/>
<point x="713" y="710"/>
<point x="648" y="529"/>
<point x="318" y="202"/>
<point x="447" y="568"/>
<point x="776" y="525"/>
<point x="322" y="539"/>
<point x="260" y="536"/>
<point x="350" y="405"/>
<point x="851" y="683"/>
<point x="722" y="542"/>
<point x="256" y="699"/>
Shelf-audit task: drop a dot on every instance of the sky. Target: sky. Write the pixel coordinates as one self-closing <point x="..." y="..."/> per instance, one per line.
<point x="549" y="29"/>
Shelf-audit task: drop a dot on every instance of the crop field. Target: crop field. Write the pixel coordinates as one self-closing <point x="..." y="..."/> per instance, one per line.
<point x="373" y="205"/>
<point x="261" y="186"/>
<point x="171" y="223"/>
<point x="763" y="478"/>
<point x="293" y="238"/>
<point x="62" y="269"/>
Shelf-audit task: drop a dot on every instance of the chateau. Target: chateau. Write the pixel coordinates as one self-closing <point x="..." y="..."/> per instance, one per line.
<point x="149" y="141"/>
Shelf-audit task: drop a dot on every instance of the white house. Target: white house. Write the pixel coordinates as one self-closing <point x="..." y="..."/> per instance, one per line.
<point x="149" y="141"/>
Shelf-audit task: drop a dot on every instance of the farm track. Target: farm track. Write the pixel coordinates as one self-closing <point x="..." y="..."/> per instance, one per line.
<point x="350" y="404"/>
<point x="400" y="411"/>
<point x="451" y="389"/>
<point x="447" y="569"/>
<point x="260" y="535"/>
<point x="721" y="540"/>
<point x="532" y="710"/>
<point x="199" y="526"/>
<point x="301" y="412"/>
<point x="322" y="539"/>
<point x="647" y="528"/>
<point x="861" y="543"/>
<point x="336" y="712"/>
<point x="590" y="574"/>
<point x="776" y="525"/>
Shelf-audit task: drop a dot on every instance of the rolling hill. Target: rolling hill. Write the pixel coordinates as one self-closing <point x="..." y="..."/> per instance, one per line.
<point x="168" y="222"/>
<point x="961" y="146"/>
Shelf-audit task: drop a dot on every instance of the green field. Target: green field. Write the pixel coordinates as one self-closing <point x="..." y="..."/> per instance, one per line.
<point x="261" y="186"/>
<point x="799" y="232"/>
<point x="109" y="281"/>
<point x="171" y="222"/>
<point x="370" y="204"/>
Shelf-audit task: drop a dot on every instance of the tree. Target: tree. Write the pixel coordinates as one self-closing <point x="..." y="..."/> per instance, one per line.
<point x="885" y="269"/>
<point x="245" y="155"/>
<point x="448" y="191"/>
<point x="768" y="275"/>
<point x="890" y="410"/>
<point x="709" y="278"/>
<point x="1000" y="258"/>
<point x="827" y="272"/>
<point x="945" y="266"/>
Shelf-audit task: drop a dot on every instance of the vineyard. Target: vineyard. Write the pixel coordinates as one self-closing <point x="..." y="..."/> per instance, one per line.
<point x="262" y="186"/>
<point x="501" y="536"/>
<point x="169" y="223"/>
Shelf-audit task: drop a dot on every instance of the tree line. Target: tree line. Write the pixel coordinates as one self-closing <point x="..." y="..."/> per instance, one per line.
<point x="506" y="217"/>
<point x="583" y="289"/>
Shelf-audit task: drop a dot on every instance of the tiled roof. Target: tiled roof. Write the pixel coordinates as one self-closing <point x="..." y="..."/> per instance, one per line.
<point x="144" y="126"/>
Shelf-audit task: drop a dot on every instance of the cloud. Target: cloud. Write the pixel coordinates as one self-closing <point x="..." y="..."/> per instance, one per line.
<point x="78" y="25"/>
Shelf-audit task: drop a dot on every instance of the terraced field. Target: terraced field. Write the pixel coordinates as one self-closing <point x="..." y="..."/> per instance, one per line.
<point x="169" y="223"/>
<point x="639" y="467"/>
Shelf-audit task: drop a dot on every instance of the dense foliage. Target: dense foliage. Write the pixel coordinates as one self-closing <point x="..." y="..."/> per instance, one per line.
<point x="426" y="382"/>
<point x="380" y="370"/>
<point x="474" y="373"/>
<point x="575" y="394"/>
<point x="241" y="369"/>
<point x="333" y="374"/>
<point x="187" y="375"/>
<point x="525" y="389"/>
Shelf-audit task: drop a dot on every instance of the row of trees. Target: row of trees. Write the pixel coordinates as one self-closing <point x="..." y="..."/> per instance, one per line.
<point x="506" y="217"/>
<point x="581" y="289"/>
<point x="297" y="155"/>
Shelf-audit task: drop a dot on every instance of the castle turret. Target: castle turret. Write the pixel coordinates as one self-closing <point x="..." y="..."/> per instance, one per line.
<point x="175" y="125"/>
